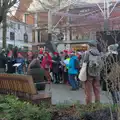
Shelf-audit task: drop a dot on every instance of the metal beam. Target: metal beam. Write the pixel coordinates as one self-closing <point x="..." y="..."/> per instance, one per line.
<point x="57" y="23"/>
<point x="75" y="15"/>
<point x="100" y="9"/>
<point x="113" y="7"/>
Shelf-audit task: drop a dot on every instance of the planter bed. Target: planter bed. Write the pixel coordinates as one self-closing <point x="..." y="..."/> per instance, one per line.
<point x="10" y="106"/>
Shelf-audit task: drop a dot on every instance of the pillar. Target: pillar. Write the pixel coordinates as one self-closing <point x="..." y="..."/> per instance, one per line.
<point x="49" y="25"/>
<point x="36" y="25"/>
<point x="36" y="36"/>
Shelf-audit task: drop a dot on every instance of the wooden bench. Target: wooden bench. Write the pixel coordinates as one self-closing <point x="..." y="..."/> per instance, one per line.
<point x="23" y="87"/>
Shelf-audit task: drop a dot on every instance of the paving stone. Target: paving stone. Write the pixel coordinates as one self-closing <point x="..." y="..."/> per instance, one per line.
<point x="62" y="94"/>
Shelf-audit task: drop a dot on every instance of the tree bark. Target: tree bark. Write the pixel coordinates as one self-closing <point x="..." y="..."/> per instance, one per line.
<point x="4" y="31"/>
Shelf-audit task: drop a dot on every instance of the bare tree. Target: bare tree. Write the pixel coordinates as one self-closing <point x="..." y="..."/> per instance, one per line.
<point x="5" y="6"/>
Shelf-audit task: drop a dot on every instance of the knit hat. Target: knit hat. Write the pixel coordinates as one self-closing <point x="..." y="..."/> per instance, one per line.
<point x="92" y="43"/>
<point x="41" y="52"/>
<point x="65" y="51"/>
<point x="113" y="49"/>
<point x="71" y="52"/>
<point x="56" y="53"/>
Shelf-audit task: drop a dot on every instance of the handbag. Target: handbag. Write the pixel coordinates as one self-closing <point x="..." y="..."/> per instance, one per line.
<point x="83" y="72"/>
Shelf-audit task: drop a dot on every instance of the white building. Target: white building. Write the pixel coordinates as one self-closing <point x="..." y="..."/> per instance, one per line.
<point x="18" y="34"/>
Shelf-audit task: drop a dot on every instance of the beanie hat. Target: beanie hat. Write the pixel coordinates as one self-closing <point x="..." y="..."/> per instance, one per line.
<point x="41" y="52"/>
<point x="65" y="51"/>
<point x="92" y="43"/>
<point x="71" y="52"/>
<point x="56" y="53"/>
<point x="113" y="49"/>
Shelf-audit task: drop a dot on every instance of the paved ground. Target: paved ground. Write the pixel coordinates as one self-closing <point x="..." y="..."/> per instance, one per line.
<point x="63" y="94"/>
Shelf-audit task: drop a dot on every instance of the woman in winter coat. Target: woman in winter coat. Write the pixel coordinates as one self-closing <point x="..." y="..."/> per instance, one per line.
<point x="37" y="74"/>
<point x="47" y="64"/>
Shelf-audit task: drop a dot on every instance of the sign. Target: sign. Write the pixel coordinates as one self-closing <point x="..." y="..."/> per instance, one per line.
<point x="79" y="47"/>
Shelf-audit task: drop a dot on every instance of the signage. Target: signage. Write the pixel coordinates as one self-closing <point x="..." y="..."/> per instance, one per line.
<point x="79" y="47"/>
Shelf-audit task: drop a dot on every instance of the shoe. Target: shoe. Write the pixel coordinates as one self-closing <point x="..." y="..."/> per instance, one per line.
<point x="73" y="89"/>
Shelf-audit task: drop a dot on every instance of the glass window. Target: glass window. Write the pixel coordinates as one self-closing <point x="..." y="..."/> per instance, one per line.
<point x="18" y="26"/>
<point x="12" y="36"/>
<point x="12" y="25"/>
<point x="26" y="37"/>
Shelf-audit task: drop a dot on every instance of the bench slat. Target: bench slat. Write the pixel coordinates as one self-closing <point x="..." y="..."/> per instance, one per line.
<point x="17" y="83"/>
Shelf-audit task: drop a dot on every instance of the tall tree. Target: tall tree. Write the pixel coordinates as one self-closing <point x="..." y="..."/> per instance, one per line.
<point x="5" y="5"/>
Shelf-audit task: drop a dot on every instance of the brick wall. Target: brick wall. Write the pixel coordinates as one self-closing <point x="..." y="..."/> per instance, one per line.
<point x="23" y="6"/>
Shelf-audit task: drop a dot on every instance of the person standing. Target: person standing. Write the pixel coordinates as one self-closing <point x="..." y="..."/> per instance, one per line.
<point x="46" y="64"/>
<point x="3" y="61"/>
<point x="55" y="68"/>
<point x="73" y="71"/>
<point x="21" y="60"/>
<point x="111" y="77"/>
<point x="94" y="64"/>
<point x="65" y="69"/>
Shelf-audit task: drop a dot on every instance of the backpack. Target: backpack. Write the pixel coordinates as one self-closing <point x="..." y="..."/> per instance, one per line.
<point x="94" y="65"/>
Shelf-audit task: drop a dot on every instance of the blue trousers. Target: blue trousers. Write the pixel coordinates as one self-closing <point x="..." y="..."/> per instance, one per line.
<point x="20" y="72"/>
<point x="73" y="81"/>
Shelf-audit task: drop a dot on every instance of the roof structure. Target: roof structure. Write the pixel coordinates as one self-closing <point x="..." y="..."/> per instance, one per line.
<point x="89" y="15"/>
<point x="81" y="15"/>
<point x="42" y="5"/>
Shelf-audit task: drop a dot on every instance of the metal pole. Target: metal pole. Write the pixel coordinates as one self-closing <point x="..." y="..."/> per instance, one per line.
<point x="106" y="15"/>
<point x="49" y="25"/>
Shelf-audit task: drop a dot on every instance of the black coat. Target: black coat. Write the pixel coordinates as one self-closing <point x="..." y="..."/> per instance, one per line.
<point x="3" y="61"/>
<point x="10" y="63"/>
<point x="56" y="64"/>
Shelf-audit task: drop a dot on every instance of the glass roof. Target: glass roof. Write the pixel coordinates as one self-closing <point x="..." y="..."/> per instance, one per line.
<point x="81" y="13"/>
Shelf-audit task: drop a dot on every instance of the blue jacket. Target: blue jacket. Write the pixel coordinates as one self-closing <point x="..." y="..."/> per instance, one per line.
<point x="22" y="61"/>
<point x="72" y="69"/>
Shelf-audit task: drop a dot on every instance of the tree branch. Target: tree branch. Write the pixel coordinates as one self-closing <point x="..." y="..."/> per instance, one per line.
<point x="11" y="3"/>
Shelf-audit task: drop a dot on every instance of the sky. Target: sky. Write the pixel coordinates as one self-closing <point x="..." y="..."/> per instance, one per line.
<point x="13" y="9"/>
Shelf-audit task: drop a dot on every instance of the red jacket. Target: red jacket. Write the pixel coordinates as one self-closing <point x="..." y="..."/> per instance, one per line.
<point x="47" y="61"/>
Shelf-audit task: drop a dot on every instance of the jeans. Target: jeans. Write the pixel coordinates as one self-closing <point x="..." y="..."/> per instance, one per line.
<point x="115" y="97"/>
<point x="73" y="81"/>
<point x="20" y="72"/>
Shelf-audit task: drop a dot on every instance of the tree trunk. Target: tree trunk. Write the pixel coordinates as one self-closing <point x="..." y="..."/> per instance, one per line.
<point x="4" y="31"/>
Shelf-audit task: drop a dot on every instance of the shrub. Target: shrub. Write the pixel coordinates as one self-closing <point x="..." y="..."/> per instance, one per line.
<point x="11" y="108"/>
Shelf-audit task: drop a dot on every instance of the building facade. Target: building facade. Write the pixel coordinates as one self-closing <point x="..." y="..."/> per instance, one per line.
<point x="18" y="34"/>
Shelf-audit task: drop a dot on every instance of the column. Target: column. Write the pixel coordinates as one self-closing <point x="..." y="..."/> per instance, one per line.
<point x="68" y="39"/>
<point x="36" y="36"/>
<point x="49" y="25"/>
<point x="36" y="25"/>
<point x="36" y="19"/>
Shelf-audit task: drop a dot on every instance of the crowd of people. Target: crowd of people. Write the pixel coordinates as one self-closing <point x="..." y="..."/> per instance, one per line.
<point x="64" y="67"/>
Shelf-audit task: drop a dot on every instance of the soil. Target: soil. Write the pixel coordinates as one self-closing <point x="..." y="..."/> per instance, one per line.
<point x="70" y="114"/>
<point x="65" y="114"/>
<point x="100" y="115"/>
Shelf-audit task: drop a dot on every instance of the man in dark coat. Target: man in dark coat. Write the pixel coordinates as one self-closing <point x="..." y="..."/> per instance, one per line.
<point x="110" y="65"/>
<point x="3" y="61"/>
<point x="55" y="67"/>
